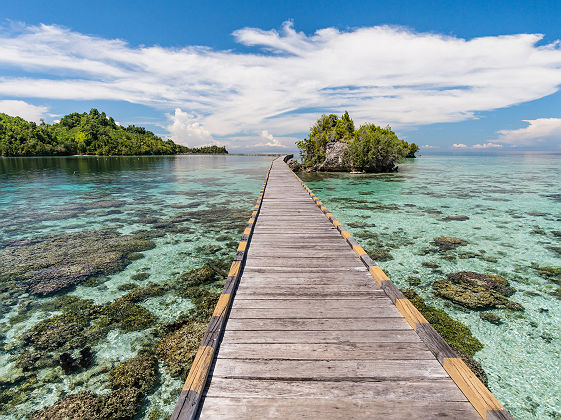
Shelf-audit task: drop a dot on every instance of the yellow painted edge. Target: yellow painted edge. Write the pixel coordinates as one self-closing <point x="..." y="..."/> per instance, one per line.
<point x="251" y="221"/>
<point x="199" y="370"/>
<point x="336" y="223"/>
<point x="410" y="313"/>
<point x="242" y="246"/>
<point x="323" y="208"/>
<point x="478" y="395"/>
<point x="345" y="234"/>
<point x="235" y="268"/>
<point x="359" y="250"/>
<point x="377" y="274"/>
<point x="247" y="231"/>
<point x="328" y="215"/>
<point x="222" y="304"/>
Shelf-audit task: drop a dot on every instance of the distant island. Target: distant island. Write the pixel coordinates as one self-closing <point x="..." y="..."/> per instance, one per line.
<point x="92" y="133"/>
<point x="335" y="146"/>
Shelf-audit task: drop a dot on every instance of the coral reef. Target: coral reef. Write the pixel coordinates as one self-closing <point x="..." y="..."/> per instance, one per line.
<point x="140" y="373"/>
<point x="445" y="243"/>
<point x="456" y="334"/>
<point x="49" y="265"/>
<point x="178" y="347"/>
<point x="476" y="291"/>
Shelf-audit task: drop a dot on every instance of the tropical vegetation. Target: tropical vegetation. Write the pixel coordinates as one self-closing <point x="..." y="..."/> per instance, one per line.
<point x="92" y="133"/>
<point x="369" y="148"/>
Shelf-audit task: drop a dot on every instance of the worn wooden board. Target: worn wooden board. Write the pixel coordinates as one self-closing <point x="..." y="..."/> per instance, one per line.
<point x="311" y="335"/>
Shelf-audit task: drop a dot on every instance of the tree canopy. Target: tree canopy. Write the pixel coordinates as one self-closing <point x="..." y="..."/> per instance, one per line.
<point x="92" y="133"/>
<point x="370" y="148"/>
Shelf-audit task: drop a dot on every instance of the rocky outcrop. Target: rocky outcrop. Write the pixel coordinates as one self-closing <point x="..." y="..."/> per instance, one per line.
<point x="476" y="291"/>
<point x="336" y="158"/>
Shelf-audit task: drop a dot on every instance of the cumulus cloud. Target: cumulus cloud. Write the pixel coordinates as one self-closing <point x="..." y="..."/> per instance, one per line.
<point x="23" y="109"/>
<point x="487" y="146"/>
<point x="271" y="141"/>
<point x="185" y="130"/>
<point x="538" y="131"/>
<point x="460" y="146"/>
<point x="381" y="74"/>
<point x="428" y="146"/>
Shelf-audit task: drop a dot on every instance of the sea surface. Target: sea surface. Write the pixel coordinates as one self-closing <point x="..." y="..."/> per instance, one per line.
<point x="194" y="209"/>
<point x="513" y="206"/>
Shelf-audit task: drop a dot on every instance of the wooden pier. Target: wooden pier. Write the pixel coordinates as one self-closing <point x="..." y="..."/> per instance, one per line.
<point x="308" y="326"/>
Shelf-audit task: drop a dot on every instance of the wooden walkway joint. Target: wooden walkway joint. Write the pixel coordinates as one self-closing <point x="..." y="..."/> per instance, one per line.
<point x="301" y="330"/>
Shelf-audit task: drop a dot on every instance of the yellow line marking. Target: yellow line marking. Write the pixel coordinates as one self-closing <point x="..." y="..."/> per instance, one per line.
<point x="377" y="274"/>
<point x="251" y="221"/>
<point x="323" y="208"/>
<point x="477" y="394"/>
<point x="222" y="304"/>
<point x="242" y="246"/>
<point x="336" y="223"/>
<point x="410" y="313"/>
<point x="358" y="249"/>
<point x="328" y="215"/>
<point x="234" y="268"/>
<point x="247" y="231"/>
<point x="199" y="370"/>
<point x="345" y="234"/>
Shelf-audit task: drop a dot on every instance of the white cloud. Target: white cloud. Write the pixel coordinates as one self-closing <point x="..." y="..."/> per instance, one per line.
<point x="459" y="146"/>
<point x="23" y="109"/>
<point x="538" y="131"/>
<point x="271" y="141"/>
<point x="184" y="129"/>
<point x="380" y="74"/>
<point x="428" y="146"/>
<point x="487" y="146"/>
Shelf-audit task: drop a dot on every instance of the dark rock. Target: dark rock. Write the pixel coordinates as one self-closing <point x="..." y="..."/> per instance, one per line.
<point x="448" y="242"/>
<point x="336" y="159"/>
<point x="455" y="218"/>
<point x="476" y="291"/>
<point x="490" y="317"/>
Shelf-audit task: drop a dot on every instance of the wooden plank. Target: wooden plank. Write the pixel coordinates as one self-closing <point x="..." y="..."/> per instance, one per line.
<point x="335" y="337"/>
<point x="283" y="408"/>
<point x="319" y="324"/>
<point x="348" y="305"/>
<point x="374" y="370"/>
<point x="303" y="312"/>
<point x="420" y="390"/>
<point x="354" y="351"/>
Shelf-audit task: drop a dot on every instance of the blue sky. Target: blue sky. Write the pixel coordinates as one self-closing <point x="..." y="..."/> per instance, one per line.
<point x="466" y="76"/>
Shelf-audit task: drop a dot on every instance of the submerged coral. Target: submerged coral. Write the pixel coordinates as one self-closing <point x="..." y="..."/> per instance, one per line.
<point x="476" y="291"/>
<point x="455" y="333"/>
<point x="445" y="243"/>
<point x="179" y="346"/>
<point x="140" y="373"/>
<point x="48" y="265"/>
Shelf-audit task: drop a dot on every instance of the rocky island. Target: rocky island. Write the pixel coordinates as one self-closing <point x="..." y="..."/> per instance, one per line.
<point x="335" y="146"/>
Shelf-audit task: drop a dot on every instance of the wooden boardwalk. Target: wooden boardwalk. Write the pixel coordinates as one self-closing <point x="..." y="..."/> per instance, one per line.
<point x="310" y="334"/>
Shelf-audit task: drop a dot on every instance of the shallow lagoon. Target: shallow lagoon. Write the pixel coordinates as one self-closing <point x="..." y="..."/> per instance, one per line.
<point x="193" y="208"/>
<point x="513" y="207"/>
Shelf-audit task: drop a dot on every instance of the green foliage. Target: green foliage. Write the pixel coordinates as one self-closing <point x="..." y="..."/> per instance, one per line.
<point x="456" y="334"/>
<point x="371" y="148"/>
<point x="92" y="133"/>
<point x="327" y="129"/>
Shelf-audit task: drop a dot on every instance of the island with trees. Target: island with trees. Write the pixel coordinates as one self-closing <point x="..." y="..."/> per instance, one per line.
<point x="334" y="145"/>
<point x="92" y="133"/>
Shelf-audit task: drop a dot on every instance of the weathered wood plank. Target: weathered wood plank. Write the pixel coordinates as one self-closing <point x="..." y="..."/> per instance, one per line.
<point x="335" y="337"/>
<point x="283" y="408"/>
<point x="319" y="324"/>
<point x="347" y="305"/>
<point x="354" y="351"/>
<point x="420" y="390"/>
<point x="315" y="312"/>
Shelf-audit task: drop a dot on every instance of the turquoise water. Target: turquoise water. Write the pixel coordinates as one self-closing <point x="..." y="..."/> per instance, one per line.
<point x="513" y="205"/>
<point x="194" y="208"/>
